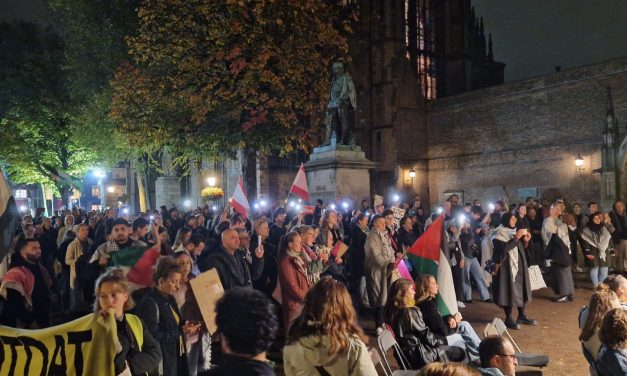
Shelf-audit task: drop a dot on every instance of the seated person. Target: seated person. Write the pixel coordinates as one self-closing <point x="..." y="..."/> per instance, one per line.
<point x="444" y="327"/>
<point x="612" y="359"/>
<point x="418" y="343"/>
<point x="602" y="301"/>
<point x="497" y="357"/>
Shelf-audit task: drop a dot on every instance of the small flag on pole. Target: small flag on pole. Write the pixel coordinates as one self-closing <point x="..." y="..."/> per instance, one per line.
<point x="9" y="216"/>
<point x="239" y="202"/>
<point x="299" y="187"/>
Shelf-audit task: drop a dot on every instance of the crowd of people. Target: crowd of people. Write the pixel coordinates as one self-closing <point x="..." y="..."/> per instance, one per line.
<point x="299" y="282"/>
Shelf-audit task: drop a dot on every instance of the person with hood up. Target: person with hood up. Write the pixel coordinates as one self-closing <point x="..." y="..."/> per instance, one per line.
<point x="558" y="249"/>
<point x="326" y="339"/>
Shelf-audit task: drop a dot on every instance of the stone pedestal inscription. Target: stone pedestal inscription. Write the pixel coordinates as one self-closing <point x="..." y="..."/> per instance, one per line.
<point x="167" y="191"/>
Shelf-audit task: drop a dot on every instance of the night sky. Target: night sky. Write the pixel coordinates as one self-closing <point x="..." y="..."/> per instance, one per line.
<point x="530" y="36"/>
<point x="534" y="36"/>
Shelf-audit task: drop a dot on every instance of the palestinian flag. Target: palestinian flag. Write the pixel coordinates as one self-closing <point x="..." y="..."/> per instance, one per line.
<point x="427" y="257"/>
<point x="9" y="216"/>
<point x="138" y="262"/>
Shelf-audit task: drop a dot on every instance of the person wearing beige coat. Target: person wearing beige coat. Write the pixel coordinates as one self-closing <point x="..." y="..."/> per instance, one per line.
<point x="76" y="249"/>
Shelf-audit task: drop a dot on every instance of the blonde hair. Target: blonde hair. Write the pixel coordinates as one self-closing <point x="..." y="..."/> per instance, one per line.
<point x="422" y="287"/>
<point x="116" y="277"/>
<point x="602" y="300"/>
<point x="447" y="369"/>
<point x="397" y="299"/>
<point x="613" y="333"/>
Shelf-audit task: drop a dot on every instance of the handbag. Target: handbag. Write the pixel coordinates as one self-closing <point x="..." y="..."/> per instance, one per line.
<point x="535" y="278"/>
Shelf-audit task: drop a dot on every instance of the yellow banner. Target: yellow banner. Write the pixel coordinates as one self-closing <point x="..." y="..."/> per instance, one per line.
<point x="85" y="346"/>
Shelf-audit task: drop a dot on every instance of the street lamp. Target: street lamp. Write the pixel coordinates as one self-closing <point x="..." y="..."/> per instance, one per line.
<point x="412" y="174"/>
<point x="103" y="197"/>
<point x="211" y="180"/>
<point x="110" y="189"/>
<point x="579" y="163"/>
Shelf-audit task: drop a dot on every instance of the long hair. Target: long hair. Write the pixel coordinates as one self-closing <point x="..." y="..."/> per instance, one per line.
<point x="422" y="287"/>
<point x="613" y="333"/>
<point x="396" y="299"/>
<point x="324" y="221"/>
<point x="602" y="300"/>
<point x="328" y="312"/>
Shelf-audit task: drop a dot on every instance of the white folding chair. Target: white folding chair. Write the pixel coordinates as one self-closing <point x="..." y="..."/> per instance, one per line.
<point x="385" y="342"/>
<point x="497" y="327"/>
<point x="378" y="363"/>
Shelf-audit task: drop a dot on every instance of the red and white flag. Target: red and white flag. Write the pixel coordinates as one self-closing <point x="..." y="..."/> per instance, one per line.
<point x="239" y="202"/>
<point x="299" y="187"/>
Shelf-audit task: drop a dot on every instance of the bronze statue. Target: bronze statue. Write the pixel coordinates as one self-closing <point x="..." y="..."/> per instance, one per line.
<point x="341" y="108"/>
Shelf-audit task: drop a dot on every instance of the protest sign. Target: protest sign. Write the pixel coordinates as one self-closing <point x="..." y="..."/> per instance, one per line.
<point x="398" y="215"/>
<point x="208" y="289"/>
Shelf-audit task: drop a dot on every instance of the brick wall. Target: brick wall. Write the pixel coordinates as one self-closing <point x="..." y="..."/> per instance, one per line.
<point x="525" y="134"/>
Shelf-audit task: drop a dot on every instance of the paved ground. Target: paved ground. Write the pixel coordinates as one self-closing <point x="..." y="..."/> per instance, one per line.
<point x="556" y="334"/>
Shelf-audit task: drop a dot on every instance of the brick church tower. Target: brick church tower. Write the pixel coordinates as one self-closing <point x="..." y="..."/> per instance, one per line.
<point x="404" y="54"/>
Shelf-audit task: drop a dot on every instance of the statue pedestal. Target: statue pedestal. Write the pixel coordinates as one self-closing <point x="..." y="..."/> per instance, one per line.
<point x="335" y="172"/>
<point x="167" y="191"/>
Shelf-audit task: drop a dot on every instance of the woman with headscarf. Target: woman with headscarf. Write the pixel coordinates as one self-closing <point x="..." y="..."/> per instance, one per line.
<point x="511" y="283"/>
<point x="597" y="245"/>
<point x="558" y="250"/>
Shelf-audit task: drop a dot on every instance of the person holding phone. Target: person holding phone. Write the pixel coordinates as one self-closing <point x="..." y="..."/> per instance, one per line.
<point x="511" y="284"/>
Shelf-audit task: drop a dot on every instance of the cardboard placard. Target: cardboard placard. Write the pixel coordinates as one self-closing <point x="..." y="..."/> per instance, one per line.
<point x="339" y="249"/>
<point x="308" y="209"/>
<point x="398" y="215"/>
<point x="378" y="200"/>
<point x="208" y="289"/>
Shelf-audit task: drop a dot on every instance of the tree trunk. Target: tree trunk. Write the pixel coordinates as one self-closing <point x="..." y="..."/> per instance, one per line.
<point x="141" y="190"/>
<point x="147" y="190"/>
<point x="249" y="172"/>
<point x="65" y="195"/>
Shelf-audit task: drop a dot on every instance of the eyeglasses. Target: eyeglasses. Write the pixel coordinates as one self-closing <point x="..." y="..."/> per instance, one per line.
<point x="513" y="356"/>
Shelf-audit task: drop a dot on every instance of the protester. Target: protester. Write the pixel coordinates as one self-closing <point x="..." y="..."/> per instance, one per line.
<point x="597" y="248"/>
<point x="619" y="221"/>
<point x="163" y="319"/>
<point x="198" y="345"/>
<point x="139" y="353"/>
<point x="294" y="279"/>
<point x="415" y="338"/>
<point x="76" y="249"/>
<point x="472" y="269"/>
<point x="326" y="339"/>
<point x="356" y="257"/>
<point x="277" y="229"/>
<point x="497" y="357"/>
<point x="26" y="288"/>
<point x="247" y="323"/>
<point x="193" y="247"/>
<point x="62" y="270"/>
<point x="456" y="258"/>
<point x="69" y="223"/>
<point x="378" y="265"/>
<point x="140" y="230"/>
<point x="602" y="301"/>
<point x="231" y="267"/>
<point x="510" y="283"/>
<point x="612" y="359"/>
<point x="444" y="327"/>
<point x="618" y="284"/>
<point x="558" y="249"/>
<point x="267" y="281"/>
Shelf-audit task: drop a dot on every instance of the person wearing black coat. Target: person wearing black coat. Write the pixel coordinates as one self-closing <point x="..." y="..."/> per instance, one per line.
<point x="415" y="338"/>
<point x="162" y="317"/>
<point x="356" y="256"/>
<point x="231" y="267"/>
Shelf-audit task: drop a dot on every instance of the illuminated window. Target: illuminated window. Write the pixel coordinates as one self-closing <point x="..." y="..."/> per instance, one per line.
<point x="420" y="42"/>
<point x="95" y="191"/>
<point x="21" y="193"/>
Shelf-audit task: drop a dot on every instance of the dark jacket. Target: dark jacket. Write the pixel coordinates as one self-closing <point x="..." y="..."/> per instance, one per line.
<point x="611" y="362"/>
<point x="416" y="340"/>
<point x="405" y="238"/>
<point x="139" y="362"/>
<point x="234" y="270"/>
<point x="15" y="308"/>
<point x="157" y="311"/>
<point x="234" y="365"/>
<point x="276" y="232"/>
<point x="620" y="225"/>
<point x="436" y="323"/>
<point x="356" y="253"/>
<point x="504" y="291"/>
<point x="267" y="280"/>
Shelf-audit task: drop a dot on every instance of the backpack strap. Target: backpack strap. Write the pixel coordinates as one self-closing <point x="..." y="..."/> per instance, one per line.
<point x="137" y="328"/>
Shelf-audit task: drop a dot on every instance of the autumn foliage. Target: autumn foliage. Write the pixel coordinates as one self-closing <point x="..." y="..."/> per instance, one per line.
<point x="209" y="77"/>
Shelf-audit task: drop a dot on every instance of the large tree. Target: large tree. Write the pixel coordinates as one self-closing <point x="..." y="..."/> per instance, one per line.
<point x="208" y="78"/>
<point x="36" y="143"/>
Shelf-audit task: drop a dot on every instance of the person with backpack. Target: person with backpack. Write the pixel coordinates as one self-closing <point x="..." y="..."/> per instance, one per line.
<point x="139" y="353"/>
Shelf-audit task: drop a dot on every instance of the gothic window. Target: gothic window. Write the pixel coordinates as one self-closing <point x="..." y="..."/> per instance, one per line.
<point x="420" y="43"/>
